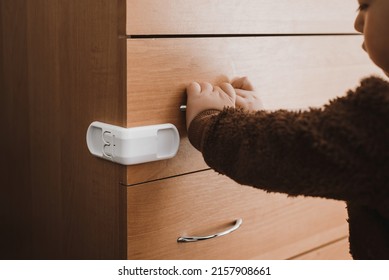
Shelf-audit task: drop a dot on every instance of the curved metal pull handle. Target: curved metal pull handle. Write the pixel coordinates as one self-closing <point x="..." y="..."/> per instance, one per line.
<point x="237" y="224"/>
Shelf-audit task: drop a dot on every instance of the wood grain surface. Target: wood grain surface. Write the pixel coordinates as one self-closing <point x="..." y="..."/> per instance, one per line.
<point x="64" y="67"/>
<point x="337" y="250"/>
<point x="289" y="72"/>
<point x="240" y="17"/>
<point x="274" y="226"/>
<point x="65" y="64"/>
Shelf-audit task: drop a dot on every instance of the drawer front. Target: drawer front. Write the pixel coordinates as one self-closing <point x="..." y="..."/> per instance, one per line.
<point x="274" y="226"/>
<point x="337" y="250"/>
<point x="290" y="72"/>
<point x="240" y="16"/>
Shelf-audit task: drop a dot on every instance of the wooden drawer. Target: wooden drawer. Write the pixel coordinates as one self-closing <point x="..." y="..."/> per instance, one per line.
<point x="274" y="226"/>
<point x="240" y="16"/>
<point x="337" y="250"/>
<point x="290" y="72"/>
<point x="129" y="66"/>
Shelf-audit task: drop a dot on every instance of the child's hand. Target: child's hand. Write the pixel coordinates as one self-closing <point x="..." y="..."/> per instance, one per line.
<point x="246" y="97"/>
<point x="204" y="96"/>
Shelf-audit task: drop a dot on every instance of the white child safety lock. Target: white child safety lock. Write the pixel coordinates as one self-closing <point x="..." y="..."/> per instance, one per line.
<point x="135" y="145"/>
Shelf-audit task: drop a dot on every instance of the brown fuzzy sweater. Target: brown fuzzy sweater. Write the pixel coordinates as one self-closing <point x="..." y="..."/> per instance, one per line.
<point x="340" y="151"/>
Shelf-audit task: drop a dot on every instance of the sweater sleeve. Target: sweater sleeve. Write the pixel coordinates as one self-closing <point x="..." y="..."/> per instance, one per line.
<point x="339" y="151"/>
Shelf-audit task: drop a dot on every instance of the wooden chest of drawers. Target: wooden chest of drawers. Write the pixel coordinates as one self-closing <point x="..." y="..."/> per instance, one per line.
<point x="204" y="203"/>
<point x="66" y="64"/>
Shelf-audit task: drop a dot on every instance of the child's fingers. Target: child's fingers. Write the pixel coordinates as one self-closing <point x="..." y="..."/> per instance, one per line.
<point x="229" y="89"/>
<point x="193" y="88"/>
<point x="242" y="93"/>
<point x="238" y="82"/>
<point x="242" y="83"/>
<point x="240" y="101"/>
<point x="248" y="100"/>
<point x="206" y="87"/>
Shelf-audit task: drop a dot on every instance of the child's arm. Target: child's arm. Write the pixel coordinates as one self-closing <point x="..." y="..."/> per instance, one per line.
<point x="340" y="151"/>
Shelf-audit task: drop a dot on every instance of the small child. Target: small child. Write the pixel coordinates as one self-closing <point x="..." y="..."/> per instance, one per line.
<point x="340" y="151"/>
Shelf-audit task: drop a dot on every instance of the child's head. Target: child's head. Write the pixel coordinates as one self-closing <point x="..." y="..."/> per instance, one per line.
<point x="373" y="22"/>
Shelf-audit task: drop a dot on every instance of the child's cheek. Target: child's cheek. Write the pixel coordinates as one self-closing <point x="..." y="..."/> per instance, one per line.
<point x="377" y="47"/>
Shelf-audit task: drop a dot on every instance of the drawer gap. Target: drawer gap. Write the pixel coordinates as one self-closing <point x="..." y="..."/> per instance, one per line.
<point x="184" y="36"/>
<point x="319" y="247"/>
<point x="164" y="178"/>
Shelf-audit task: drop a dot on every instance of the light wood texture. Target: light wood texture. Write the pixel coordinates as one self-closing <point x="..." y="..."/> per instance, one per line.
<point x="64" y="67"/>
<point x="240" y="16"/>
<point x="63" y="64"/>
<point x="274" y="226"/>
<point x="338" y="250"/>
<point x="290" y="72"/>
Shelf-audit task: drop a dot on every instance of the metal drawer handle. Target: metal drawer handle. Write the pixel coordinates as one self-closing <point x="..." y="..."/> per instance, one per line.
<point x="237" y="224"/>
